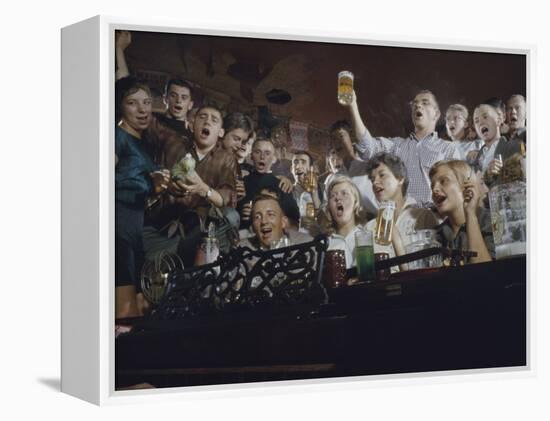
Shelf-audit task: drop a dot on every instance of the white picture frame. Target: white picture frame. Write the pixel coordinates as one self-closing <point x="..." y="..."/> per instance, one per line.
<point x="88" y="206"/>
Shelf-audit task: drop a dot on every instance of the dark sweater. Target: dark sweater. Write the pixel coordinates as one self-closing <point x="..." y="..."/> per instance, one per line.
<point x="255" y="182"/>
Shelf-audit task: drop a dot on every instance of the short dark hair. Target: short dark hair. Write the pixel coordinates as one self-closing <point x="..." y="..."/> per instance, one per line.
<point x="235" y="121"/>
<point x="303" y="152"/>
<point x="428" y="92"/>
<point x="263" y="139"/>
<point x="178" y="82"/>
<point x="127" y="86"/>
<point x="496" y="103"/>
<point x="269" y="195"/>
<point x="516" y="96"/>
<point x="213" y="107"/>
<point x="341" y="124"/>
<point x="395" y="165"/>
<point x="286" y="203"/>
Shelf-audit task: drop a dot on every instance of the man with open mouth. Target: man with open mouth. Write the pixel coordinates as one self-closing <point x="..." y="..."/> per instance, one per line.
<point x="271" y="226"/>
<point x="458" y="126"/>
<point x="516" y="116"/>
<point x="419" y="151"/>
<point x="496" y="148"/>
<point x="176" y="225"/>
<point x="261" y="177"/>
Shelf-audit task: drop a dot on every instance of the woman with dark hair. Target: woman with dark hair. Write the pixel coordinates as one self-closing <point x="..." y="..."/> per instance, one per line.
<point x="390" y="182"/>
<point x="136" y="178"/>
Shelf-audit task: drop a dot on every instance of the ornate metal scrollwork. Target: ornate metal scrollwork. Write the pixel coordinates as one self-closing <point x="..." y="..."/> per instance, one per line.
<point x="248" y="279"/>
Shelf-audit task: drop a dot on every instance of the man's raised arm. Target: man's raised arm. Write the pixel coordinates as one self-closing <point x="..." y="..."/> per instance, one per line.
<point x="122" y="40"/>
<point x="366" y="145"/>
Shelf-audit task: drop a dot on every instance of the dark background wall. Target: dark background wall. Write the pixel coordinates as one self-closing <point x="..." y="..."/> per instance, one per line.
<point x="238" y="72"/>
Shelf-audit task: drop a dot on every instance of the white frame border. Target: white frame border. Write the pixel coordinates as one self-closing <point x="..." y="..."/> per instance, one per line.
<point x="107" y="394"/>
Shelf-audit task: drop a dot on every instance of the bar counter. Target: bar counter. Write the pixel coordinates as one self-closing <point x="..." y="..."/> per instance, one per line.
<point x="467" y="317"/>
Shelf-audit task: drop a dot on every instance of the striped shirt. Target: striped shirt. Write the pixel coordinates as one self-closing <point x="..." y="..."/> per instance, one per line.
<point x="418" y="155"/>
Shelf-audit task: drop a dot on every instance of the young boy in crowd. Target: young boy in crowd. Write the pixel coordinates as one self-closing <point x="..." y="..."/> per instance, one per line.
<point x="238" y="138"/>
<point x="495" y="148"/>
<point x="500" y="107"/>
<point x="302" y="165"/>
<point x="263" y="156"/>
<point x="456" y="121"/>
<point x="456" y="196"/>
<point x="388" y="175"/>
<point x="211" y="184"/>
<point x="516" y="116"/>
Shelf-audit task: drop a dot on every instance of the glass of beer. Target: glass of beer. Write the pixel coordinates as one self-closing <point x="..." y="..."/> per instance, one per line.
<point x="345" y="87"/>
<point x="310" y="210"/>
<point x="311" y="180"/>
<point x="384" y="223"/>
<point x="364" y="256"/>
<point x="334" y="272"/>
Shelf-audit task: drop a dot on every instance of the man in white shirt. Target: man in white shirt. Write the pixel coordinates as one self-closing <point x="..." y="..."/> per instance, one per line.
<point x="420" y="151"/>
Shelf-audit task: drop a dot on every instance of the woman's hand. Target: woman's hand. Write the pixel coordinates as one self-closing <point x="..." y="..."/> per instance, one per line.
<point x="471" y="194"/>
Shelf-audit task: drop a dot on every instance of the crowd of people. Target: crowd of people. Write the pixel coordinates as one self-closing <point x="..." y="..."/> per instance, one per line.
<point x="233" y="181"/>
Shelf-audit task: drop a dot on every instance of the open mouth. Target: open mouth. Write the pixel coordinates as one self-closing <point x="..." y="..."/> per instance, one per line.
<point x="205" y="132"/>
<point x="514" y="120"/>
<point x="439" y="199"/>
<point x="452" y="128"/>
<point x="266" y="232"/>
<point x="178" y="107"/>
<point x="418" y="114"/>
<point x="142" y="120"/>
<point x="339" y="210"/>
<point x="484" y="130"/>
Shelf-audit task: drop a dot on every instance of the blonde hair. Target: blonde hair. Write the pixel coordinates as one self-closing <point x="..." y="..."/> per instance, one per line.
<point x="357" y="208"/>
<point x="461" y="169"/>
<point x="458" y="108"/>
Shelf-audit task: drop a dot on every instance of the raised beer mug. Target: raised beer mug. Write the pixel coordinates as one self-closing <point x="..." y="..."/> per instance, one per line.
<point x="345" y="87"/>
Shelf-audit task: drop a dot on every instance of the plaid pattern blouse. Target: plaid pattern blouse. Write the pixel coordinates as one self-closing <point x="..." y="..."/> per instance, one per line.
<point x="418" y="155"/>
